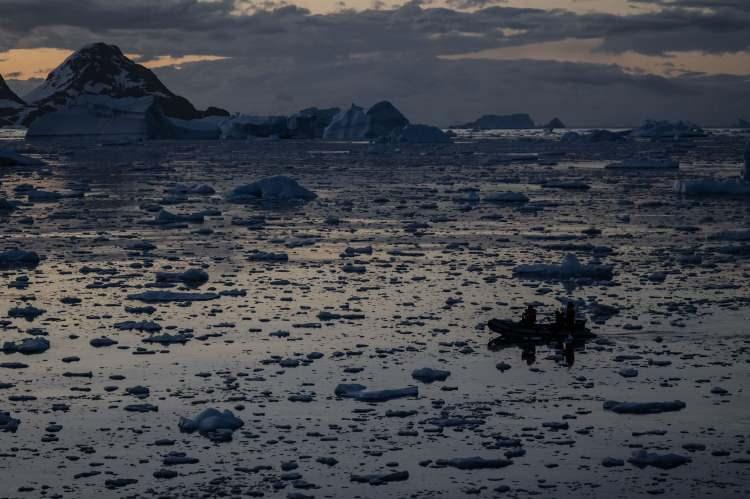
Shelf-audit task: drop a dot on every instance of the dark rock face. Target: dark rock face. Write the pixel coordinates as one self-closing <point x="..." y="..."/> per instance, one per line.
<point x="555" y="123"/>
<point x="10" y="104"/>
<point x="102" y="69"/>
<point x="311" y="122"/>
<point x="384" y="119"/>
<point x="216" y="111"/>
<point x="7" y="96"/>
<point x="499" y="122"/>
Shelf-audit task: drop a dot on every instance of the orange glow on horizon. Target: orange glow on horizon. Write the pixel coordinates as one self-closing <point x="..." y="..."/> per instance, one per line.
<point x="27" y="64"/>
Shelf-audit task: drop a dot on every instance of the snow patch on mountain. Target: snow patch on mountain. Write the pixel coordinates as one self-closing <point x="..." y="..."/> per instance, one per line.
<point x="103" y="70"/>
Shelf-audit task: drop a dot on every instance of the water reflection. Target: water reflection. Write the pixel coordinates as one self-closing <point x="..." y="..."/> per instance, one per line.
<point x="564" y="352"/>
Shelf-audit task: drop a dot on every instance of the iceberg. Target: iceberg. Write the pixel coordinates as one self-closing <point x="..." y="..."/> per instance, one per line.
<point x="307" y="124"/>
<point x="712" y="187"/>
<point x="311" y="123"/>
<point x="351" y="124"/>
<point x="652" y="129"/>
<point x="380" y="121"/>
<point x="422" y="134"/>
<point x="595" y="136"/>
<point x="555" y="123"/>
<point x="384" y="119"/>
<point x="130" y="118"/>
<point x="241" y="127"/>
<point x="273" y="189"/>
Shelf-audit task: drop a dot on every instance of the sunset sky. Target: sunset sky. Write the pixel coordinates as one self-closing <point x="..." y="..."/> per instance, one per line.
<point x="442" y="60"/>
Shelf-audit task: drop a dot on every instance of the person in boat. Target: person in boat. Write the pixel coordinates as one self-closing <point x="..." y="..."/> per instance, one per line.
<point x="528" y="354"/>
<point x="559" y="320"/>
<point x="528" y="318"/>
<point x="570" y="317"/>
<point x="569" y="350"/>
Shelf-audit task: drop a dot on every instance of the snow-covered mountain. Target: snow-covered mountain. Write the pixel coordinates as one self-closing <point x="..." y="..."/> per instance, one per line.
<point x="10" y="104"/>
<point x="103" y="70"/>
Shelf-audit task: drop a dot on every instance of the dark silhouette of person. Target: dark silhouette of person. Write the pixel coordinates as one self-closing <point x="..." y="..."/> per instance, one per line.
<point x="528" y="318"/>
<point x="569" y="351"/>
<point x="559" y="320"/>
<point x="529" y="354"/>
<point x="570" y="317"/>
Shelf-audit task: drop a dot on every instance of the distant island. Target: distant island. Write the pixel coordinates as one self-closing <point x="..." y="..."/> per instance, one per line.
<point x="517" y="121"/>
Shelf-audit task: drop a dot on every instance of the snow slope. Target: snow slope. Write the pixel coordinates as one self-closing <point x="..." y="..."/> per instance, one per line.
<point x="103" y="70"/>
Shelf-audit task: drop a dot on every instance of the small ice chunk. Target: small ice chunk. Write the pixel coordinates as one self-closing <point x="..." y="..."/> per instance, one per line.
<point x="210" y="421"/>
<point x="474" y="463"/>
<point x="644" y="407"/>
<point x="428" y="375"/>
<point x="166" y="296"/>
<point x="274" y="189"/>
<point x="7" y="423"/>
<point x="643" y="458"/>
<point x="16" y="258"/>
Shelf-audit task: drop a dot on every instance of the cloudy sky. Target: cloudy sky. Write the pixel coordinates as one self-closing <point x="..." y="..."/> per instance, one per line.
<point x="590" y="62"/>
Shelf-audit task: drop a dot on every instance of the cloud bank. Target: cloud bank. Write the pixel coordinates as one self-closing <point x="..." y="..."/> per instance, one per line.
<point x="283" y="57"/>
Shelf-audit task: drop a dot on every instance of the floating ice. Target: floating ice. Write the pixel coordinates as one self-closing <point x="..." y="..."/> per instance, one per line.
<point x="10" y="158"/>
<point x="213" y="424"/>
<point x="668" y="130"/>
<point x="643" y="458"/>
<point x="568" y="268"/>
<point x="381" y="478"/>
<point x="27" y="346"/>
<point x="428" y="375"/>
<point x="506" y="197"/>
<point x="358" y="392"/>
<point x="16" y="258"/>
<point x="422" y="134"/>
<point x="643" y="407"/>
<point x="165" y="296"/>
<point x="190" y="276"/>
<point x="273" y="189"/>
<point x="474" y="463"/>
<point x="351" y="124"/>
<point x="711" y="187"/>
<point x="8" y="423"/>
